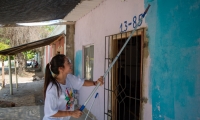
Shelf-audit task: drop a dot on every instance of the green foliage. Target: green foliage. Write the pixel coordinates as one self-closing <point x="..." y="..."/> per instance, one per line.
<point x="49" y="28"/>
<point x="5" y="41"/>
<point x="29" y="54"/>
<point x="2" y="47"/>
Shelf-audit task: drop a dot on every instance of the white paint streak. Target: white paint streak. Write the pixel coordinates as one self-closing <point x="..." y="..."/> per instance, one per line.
<point x="158" y="87"/>
<point x="158" y="107"/>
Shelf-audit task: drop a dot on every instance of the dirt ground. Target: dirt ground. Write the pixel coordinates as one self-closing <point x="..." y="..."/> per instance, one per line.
<point x="29" y="91"/>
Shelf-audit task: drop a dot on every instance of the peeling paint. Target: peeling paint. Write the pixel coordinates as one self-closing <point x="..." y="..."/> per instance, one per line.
<point x="146" y="104"/>
<point x="144" y="99"/>
<point x="146" y="47"/>
<point x="174" y="51"/>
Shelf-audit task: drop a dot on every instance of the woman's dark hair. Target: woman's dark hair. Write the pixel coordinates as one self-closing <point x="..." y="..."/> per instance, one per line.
<point x="56" y="62"/>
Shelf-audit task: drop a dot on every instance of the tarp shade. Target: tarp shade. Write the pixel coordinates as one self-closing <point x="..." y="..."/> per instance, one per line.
<point x="25" y="11"/>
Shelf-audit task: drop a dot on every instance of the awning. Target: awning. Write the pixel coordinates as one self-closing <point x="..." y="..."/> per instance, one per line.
<point x="31" y="45"/>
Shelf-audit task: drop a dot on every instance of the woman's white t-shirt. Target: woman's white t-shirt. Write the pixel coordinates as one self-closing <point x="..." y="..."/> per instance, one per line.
<point x="64" y="102"/>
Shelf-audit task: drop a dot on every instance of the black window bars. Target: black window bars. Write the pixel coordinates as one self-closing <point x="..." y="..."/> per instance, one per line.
<point x="122" y="90"/>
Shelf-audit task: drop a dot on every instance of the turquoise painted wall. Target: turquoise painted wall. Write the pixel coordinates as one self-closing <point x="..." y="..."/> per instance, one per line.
<point x="174" y="47"/>
<point x="78" y="63"/>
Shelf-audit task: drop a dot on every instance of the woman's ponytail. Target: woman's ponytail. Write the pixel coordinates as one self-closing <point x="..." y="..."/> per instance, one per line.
<point x="52" y="71"/>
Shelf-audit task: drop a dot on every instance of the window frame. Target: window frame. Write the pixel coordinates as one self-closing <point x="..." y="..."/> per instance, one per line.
<point x="84" y="62"/>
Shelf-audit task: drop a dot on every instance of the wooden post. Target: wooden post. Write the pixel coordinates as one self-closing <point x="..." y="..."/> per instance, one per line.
<point x="16" y="72"/>
<point x="10" y="75"/>
<point x="25" y="60"/>
<point x="3" y="75"/>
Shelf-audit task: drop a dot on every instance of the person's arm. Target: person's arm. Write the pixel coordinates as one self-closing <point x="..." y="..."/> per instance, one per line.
<point x="75" y="114"/>
<point x="93" y="83"/>
<point x="89" y="83"/>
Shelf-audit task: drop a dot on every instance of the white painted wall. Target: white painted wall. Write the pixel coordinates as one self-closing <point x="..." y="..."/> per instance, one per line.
<point x="146" y="107"/>
<point x="105" y="20"/>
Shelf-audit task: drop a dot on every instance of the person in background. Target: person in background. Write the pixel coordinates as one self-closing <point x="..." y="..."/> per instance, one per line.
<point x="58" y="89"/>
<point x="36" y="64"/>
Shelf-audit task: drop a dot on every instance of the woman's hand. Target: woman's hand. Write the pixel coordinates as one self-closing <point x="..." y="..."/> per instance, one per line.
<point x="93" y="83"/>
<point x="100" y="80"/>
<point x="76" y="113"/>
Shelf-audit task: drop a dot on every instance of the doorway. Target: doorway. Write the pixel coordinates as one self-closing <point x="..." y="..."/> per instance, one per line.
<point x="124" y="80"/>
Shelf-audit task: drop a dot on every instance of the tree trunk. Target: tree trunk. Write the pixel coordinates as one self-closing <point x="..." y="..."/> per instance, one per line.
<point x="21" y="64"/>
<point x="3" y="76"/>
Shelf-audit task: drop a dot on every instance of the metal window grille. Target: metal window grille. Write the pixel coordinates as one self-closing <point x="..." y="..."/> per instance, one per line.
<point x="122" y="91"/>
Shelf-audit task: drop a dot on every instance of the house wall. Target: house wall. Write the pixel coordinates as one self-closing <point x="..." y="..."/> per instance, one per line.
<point x="48" y="49"/>
<point x="51" y="50"/>
<point x="174" y="45"/>
<point x="48" y="54"/>
<point x="171" y="74"/>
<point x="104" y="20"/>
<point x="58" y="30"/>
<point x="59" y="46"/>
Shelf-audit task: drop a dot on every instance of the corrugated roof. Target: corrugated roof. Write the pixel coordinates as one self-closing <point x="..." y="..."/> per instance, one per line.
<point x="31" y="45"/>
<point x="83" y="8"/>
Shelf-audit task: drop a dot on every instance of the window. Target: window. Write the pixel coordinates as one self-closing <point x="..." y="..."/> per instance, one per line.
<point x="88" y="62"/>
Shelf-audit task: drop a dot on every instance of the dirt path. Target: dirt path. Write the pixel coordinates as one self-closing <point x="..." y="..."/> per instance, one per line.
<point x="29" y="92"/>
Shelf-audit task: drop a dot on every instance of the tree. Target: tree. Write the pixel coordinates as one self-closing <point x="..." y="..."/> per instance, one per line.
<point x="29" y="54"/>
<point x="2" y="58"/>
<point x="20" y="35"/>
